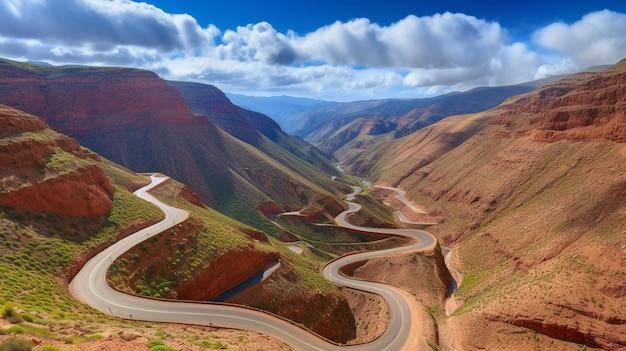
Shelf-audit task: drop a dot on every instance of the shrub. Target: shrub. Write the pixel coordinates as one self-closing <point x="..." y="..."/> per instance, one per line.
<point x="16" y="344"/>
<point x="161" y="348"/>
<point x="9" y="312"/>
<point x="15" y="330"/>
<point x="49" y="348"/>
<point x="153" y="343"/>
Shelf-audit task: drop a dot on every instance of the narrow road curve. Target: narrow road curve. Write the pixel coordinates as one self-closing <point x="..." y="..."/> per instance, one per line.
<point x="90" y="287"/>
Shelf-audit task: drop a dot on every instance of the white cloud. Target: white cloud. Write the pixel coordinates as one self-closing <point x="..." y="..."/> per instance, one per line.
<point x="439" y="41"/>
<point x="104" y="24"/>
<point x="259" y="42"/>
<point x="352" y="60"/>
<point x="598" y="38"/>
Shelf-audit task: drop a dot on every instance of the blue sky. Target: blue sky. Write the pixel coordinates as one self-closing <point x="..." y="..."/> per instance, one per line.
<point x="521" y="17"/>
<point x="339" y="50"/>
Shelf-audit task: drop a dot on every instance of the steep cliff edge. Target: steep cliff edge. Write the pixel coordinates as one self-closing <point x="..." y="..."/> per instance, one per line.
<point x="56" y="175"/>
<point x="83" y="101"/>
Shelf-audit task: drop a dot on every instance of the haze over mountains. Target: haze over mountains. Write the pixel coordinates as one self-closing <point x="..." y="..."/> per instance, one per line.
<point x="346" y="129"/>
<point x="525" y="185"/>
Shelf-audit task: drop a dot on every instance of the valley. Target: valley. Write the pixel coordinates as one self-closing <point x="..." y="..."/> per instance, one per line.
<point x="520" y="193"/>
<point x="90" y="286"/>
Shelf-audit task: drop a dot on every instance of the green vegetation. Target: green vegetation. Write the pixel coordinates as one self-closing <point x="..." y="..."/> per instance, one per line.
<point x="373" y="212"/>
<point x="16" y="344"/>
<point x="38" y="249"/>
<point x="129" y="208"/>
<point x="11" y="315"/>
<point x="122" y="177"/>
<point x="432" y="345"/>
<point x="64" y="162"/>
<point x="161" y="348"/>
<point x="49" y="348"/>
<point x="238" y="207"/>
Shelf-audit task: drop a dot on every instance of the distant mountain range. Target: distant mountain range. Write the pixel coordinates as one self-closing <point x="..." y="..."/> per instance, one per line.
<point x="332" y="125"/>
<point x="280" y="108"/>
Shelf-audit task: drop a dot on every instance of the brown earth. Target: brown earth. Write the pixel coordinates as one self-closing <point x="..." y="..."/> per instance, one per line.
<point x="243" y="124"/>
<point x="371" y="314"/>
<point x="325" y="313"/>
<point x="76" y="100"/>
<point x="530" y="194"/>
<point x="224" y="274"/>
<point x="135" y="337"/>
<point x="74" y="187"/>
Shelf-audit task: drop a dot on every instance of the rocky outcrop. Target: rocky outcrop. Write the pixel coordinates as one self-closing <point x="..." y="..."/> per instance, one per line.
<point x="225" y="273"/>
<point x="595" y="110"/>
<point x="326" y="313"/>
<point x="585" y="106"/>
<point x="43" y="171"/>
<point x="83" y="193"/>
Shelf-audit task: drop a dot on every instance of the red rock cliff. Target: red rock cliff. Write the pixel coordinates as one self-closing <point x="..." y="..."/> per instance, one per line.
<point x="80" y="101"/>
<point x="31" y="180"/>
<point x="585" y="106"/>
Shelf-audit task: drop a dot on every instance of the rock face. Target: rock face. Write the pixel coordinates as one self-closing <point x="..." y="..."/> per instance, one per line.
<point x="595" y="110"/>
<point x="43" y="171"/>
<point x="81" y="101"/>
<point x="225" y="273"/>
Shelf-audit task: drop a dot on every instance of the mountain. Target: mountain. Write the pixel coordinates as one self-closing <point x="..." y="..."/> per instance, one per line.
<point x="211" y="102"/>
<point x="61" y="204"/>
<point x="252" y="127"/>
<point x="279" y="108"/>
<point x="530" y="196"/>
<point x="136" y="119"/>
<point x="349" y="128"/>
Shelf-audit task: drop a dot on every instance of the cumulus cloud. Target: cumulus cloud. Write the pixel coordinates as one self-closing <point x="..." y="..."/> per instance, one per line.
<point x="598" y="38"/>
<point x="100" y="25"/>
<point x="345" y="60"/>
<point x="259" y="42"/>
<point x="440" y="41"/>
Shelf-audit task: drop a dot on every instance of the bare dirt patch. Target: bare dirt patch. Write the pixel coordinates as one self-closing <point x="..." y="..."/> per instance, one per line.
<point x="371" y="314"/>
<point x="137" y="338"/>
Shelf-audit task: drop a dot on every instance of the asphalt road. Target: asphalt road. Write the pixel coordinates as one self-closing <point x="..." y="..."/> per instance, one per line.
<point x="90" y="287"/>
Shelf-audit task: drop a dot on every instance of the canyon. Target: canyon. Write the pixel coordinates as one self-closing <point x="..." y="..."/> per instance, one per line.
<point x="526" y="198"/>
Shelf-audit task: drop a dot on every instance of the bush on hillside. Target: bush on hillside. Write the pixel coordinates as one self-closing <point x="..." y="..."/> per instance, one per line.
<point x="16" y="344"/>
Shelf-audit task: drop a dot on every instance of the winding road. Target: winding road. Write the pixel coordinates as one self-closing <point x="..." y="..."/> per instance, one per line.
<point x="90" y="287"/>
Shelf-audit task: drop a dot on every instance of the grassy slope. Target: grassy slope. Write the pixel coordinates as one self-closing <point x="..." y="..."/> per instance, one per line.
<point x="209" y="235"/>
<point x="37" y="250"/>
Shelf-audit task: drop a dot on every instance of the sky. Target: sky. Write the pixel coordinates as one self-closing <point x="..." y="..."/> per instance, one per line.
<point x="325" y="49"/>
